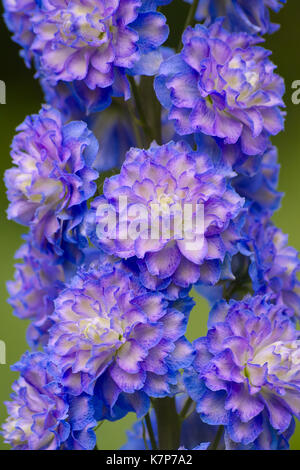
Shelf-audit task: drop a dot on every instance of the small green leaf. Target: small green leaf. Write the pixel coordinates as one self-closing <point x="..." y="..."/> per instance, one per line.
<point x="103" y="176"/>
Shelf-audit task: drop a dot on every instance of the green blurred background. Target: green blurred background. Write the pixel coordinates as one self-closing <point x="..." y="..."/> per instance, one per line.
<point x="24" y="97"/>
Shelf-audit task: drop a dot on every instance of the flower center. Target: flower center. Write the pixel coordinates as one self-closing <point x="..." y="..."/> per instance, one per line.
<point x="252" y="78"/>
<point x="165" y="201"/>
<point x="83" y="24"/>
<point x="282" y="358"/>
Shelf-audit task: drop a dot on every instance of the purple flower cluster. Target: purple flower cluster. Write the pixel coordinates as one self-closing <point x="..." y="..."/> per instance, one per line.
<point x="52" y="178"/>
<point x="241" y="15"/>
<point x="246" y="370"/>
<point x="38" y="410"/>
<point x="90" y="43"/>
<point x="95" y="41"/>
<point x="258" y="185"/>
<point x="193" y="431"/>
<point x="128" y="207"/>
<point x="37" y="283"/>
<point x="18" y="14"/>
<point x="223" y="84"/>
<point x="107" y="324"/>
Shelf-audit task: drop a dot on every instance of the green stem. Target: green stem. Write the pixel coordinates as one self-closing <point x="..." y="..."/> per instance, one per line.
<point x="189" y="19"/>
<point x="158" y="130"/>
<point x="150" y="432"/>
<point x="168" y="423"/>
<point x="218" y="437"/>
<point x="140" y="108"/>
<point x="185" y="409"/>
<point x="136" y="130"/>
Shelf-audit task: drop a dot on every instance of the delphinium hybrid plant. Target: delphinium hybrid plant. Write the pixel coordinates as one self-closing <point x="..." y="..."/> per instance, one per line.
<point x="149" y="172"/>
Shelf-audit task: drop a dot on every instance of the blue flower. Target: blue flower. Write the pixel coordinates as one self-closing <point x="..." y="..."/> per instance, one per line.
<point x="171" y="177"/>
<point x="41" y="416"/>
<point x="17" y="16"/>
<point x="38" y="280"/>
<point x="93" y="44"/>
<point x="256" y="175"/>
<point x="109" y="329"/>
<point x="274" y="265"/>
<point x="114" y="131"/>
<point x="52" y="179"/>
<point x="246" y="372"/>
<point x="193" y="431"/>
<point x="38" y="410"/>
<point x="82" y="423"/>
<point x="269" y="439"/>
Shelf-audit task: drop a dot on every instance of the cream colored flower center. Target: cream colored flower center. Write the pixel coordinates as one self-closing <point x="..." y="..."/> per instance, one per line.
<point x="95" y="328"/>
<point x="165" y="201"/>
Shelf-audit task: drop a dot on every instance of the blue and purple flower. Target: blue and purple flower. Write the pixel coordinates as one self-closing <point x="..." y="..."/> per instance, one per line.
<point x="164" y="182"/>
<point x="112" y="127"/>
<point x="223" y="84"/>
<point x="52" y="179"/>
<point x="37" y="283"/>
<point x="111" y="330"/>
<point x="202" y="446"/>
<point x="112" y="318"/>
<point x="269" y="439"/>
<point x="275" y="265"/>
<point x="97" y="43"/>
<point x="259" y="185"/>
<point x="252" y="16"/>
<point x="256" y="176"/>
<point x="246" y="373"/>
<point x="114" y="131"/>
<point x="17" y="16"/>
<point x="193" y="430"/>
